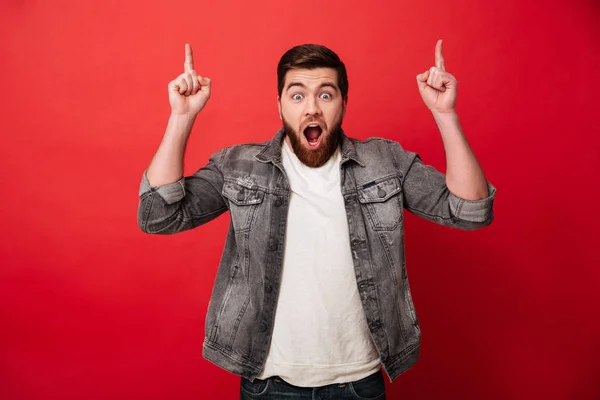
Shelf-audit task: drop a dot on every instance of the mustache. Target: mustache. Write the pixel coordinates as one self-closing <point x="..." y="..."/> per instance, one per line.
<point x="309" y="121"/>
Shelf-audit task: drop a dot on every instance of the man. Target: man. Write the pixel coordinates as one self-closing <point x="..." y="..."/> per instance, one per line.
<point x="311" y="296"/>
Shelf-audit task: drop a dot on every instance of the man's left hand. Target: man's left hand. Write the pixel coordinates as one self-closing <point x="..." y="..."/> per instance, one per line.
<point x="438" y="87"/>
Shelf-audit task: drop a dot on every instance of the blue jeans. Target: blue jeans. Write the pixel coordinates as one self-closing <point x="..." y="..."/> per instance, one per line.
<point x="370" y="388"/>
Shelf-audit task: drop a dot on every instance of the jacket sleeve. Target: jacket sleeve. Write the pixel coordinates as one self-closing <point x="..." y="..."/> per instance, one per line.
<point x="190" y="202"/>
<point x="426" y="195"/>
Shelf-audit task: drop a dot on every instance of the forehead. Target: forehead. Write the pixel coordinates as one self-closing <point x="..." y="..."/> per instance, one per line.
<point x="311" y="77"/>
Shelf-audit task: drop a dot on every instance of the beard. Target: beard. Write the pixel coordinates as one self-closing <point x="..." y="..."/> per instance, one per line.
<point x="314" y="158"/>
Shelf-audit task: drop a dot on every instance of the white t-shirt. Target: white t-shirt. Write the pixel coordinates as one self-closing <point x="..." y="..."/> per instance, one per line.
<point x="320" y="334"/>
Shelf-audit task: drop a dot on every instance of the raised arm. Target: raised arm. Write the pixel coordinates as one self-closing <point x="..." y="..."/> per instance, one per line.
<point x="438" y="88"/>
<point x="188" y="94"/>
<point x="169" y="202"/>
<point x="461" y="198"/>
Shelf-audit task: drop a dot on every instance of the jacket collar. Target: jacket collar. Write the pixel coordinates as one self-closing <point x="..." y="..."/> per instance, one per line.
<point x="272" y="150"/>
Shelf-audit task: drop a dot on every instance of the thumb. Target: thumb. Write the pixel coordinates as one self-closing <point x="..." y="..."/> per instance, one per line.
<point x="203" y="81"/>
<point x="422" y="79"/>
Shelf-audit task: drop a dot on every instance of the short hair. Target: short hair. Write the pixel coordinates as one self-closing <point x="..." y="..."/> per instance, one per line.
<point x="311" y="56"/>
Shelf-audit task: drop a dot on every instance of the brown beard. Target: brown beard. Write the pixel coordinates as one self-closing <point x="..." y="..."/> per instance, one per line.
<point x="314" y="158"/>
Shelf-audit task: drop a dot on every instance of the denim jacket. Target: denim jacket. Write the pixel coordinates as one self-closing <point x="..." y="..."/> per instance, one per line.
<point x="378" y="181"/>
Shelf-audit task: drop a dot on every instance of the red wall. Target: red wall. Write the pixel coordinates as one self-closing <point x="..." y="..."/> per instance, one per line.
<point x="91" y="308"/>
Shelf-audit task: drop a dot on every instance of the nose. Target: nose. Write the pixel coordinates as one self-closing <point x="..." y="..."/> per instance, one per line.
<point x="312" y="107"/>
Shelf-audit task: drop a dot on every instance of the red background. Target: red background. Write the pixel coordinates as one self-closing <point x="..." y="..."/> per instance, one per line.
<point x="92" y="308"/>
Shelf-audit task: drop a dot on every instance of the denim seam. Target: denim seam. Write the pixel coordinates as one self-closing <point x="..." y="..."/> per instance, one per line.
<point x="246" y="262"/>
<point x="147" y="212"/>
<point x="378" y="181"/>
<point x="419" y="212"/>
<point x="204" y="215"/>
<point x="380" y="317"/>
<point x="236" y="325"/>
<point x="396" y="164"/>
<point x="459" y="207"/>
<point x="233" y="355"/>
<point x="226" y="297"/>
<point x="409" y="302"/>
<point x="386" y="249"/>
<point x="261" y="188"/>
<point x="402" y="355"/>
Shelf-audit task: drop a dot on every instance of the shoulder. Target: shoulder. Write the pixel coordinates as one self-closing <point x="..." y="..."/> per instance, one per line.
<point x="376" y="149"/>
<point x="240" y="151"/>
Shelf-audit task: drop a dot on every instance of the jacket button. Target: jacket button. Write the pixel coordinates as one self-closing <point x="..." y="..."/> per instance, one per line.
<point x="262" y="328"/>
<point x="241" y="196"/>
<point x="381" y="193"/>
<point x="278" y="202"/>
<point x="268" y="288"/>
<point x="273" y="246"/>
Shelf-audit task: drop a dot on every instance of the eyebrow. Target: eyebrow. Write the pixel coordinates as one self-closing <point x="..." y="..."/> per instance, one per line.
<point x="303" y="86"/>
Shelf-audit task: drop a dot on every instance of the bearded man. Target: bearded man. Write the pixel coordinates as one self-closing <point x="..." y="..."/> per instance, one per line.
<point x="311" y="297"/>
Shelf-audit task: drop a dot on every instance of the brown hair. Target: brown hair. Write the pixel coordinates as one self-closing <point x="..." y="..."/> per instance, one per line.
<point x="311" y="56"/>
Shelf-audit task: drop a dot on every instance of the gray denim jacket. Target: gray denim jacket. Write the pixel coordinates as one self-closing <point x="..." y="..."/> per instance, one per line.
<point x="378" y="181"/>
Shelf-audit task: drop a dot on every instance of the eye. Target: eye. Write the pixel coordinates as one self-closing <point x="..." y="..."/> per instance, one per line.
<point x="326" y="96"/>
<point x="297" y="96"/>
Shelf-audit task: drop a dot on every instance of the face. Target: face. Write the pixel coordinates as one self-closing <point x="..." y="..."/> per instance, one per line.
<point x="312" y="109"/>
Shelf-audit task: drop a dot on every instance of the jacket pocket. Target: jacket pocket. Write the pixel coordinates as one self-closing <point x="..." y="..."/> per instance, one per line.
<point x="243" y="203"/>
<point x="224" y="326"/>
<point x="382" y="200"/>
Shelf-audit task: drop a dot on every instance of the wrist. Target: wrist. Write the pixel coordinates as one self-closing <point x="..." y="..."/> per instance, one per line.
<point x="446" y="119"/>
<point x="180" y="124"/>
<point x="183" y="118"/>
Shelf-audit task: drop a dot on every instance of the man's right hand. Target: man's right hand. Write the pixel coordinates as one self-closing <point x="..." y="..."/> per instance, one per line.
<point x="189" y="92"/>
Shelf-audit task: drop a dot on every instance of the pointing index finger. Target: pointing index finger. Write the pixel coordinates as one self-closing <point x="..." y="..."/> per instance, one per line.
<point x="439" y="57"/>
<point x="188" y="65"/>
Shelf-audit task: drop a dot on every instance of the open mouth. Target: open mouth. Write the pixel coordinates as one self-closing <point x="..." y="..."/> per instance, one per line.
<point x="313" y="133"/>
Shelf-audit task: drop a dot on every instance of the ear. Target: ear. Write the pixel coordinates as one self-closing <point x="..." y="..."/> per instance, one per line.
<point x="279" y="107"/>
<point x="344" y="106"/>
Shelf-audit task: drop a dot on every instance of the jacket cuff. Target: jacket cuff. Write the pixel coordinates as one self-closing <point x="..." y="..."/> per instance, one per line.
<point x="473" y="210"/>
<point x="171" y="193"/>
